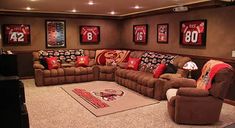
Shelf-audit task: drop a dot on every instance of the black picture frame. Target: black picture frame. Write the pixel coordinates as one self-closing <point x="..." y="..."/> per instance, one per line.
<point x="193" y="32"/>
<point x="89" y="34"/>
<point x="140" y="33"/>
<point x="162" y="33"/>
<point x="16" y="34"/>
<point x="55" y="33"/>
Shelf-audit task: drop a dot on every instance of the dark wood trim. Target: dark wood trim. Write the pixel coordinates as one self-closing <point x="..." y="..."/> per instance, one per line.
<point x="232" y="102"/>
<point x="191" y="56"/>
<point x="56" y="15"/>
<point x="27" y="77"/>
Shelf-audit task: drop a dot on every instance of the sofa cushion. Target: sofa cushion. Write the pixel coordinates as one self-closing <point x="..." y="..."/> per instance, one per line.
<point x="69" y="71"/>
<point x="122" y="72"/>
<point x="146" y="79"/>
<point x="159" y="70"/>
<point x="82" y="61"/>
<point x="83" y="70"/>
<point x="133" y="63"/>
<point x="133" y="75"/>
<point x="52" y="63"/>
<point x="107" y="69"/>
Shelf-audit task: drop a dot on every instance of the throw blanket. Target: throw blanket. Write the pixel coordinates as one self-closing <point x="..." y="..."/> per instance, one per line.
<point x="111" y="57"/>
<point x="208" y="72"/>
<point x="150" y="60"/>
<point x="62" y="55"/>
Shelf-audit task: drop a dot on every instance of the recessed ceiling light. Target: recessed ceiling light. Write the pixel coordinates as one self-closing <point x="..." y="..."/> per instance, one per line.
<point x="91" y="3"/>
<point x="112" y="13"/>
<point x="28" y="8"/>
<point x="74" y="10"/>
<point x="33" y="0"/>
<point x="137" y="7"/>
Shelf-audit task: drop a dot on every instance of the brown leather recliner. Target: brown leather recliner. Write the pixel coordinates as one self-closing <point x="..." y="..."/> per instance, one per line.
<point x="191" y="105"/>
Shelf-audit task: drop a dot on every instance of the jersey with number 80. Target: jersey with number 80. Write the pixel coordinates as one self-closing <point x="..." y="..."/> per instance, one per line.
<point x="192" y="33"/>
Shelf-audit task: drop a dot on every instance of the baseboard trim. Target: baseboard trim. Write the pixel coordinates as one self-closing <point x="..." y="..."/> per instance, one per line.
<point x="232" y="102"/>
<point x="26" y="77"/>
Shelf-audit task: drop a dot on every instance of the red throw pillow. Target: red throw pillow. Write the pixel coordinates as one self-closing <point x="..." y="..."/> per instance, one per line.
<point x="133" y="63"/>
<point x="52" y="63"/>
<point x="159" y="70"/>
<point x="82" y="61"/>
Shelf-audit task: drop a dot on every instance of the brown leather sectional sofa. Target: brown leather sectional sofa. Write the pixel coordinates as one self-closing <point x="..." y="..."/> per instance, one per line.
<point x="140" y="81"/>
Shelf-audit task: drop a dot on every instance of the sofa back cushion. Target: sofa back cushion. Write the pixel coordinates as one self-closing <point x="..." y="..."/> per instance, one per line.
<point x="117" y="56"/>
<point x="150" y="60"/>
<point x="64" y="56"/>
<point x="136" y="54"/>
<point x="90" y="53"/>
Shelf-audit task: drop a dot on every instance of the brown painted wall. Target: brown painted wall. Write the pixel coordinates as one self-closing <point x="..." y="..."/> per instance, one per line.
<point x="110" y="32"/>
<point x="220" y="32"/>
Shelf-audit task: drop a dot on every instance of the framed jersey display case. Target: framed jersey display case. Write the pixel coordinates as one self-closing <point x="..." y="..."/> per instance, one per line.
<point x="89" y="34"/>
<point x="16" y="34"/>
<point x="193" y="32"/>
<point x="162" y="33"/>
<point x="140" y="33"/>
<point x="55" y="34"/>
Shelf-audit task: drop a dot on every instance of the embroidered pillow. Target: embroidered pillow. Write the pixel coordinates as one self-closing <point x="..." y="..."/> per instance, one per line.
<point x="133" y="63"/>
<point x="52" y="63"/>
<point x="82" y="61"/>
<point x="159" y="70"/>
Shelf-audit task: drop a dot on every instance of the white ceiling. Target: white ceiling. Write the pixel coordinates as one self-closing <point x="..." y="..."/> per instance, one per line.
<point x="101" y="7"/>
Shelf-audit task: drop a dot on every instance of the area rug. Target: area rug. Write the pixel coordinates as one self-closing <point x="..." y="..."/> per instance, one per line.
<point x="104" y="99"/>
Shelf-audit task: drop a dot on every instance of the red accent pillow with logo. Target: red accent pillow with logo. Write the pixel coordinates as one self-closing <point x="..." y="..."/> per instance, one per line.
<point x="82" y="61"/>
<point x="133" y="63"/>
<point x="159" y="70"/>
<point x="52" y="63"/>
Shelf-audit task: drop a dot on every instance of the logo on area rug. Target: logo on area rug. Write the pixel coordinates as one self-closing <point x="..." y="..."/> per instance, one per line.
<point x="109" y="94"/>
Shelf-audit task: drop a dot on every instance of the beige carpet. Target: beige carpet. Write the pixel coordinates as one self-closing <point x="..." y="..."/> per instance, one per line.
<point x="51" y="107"/>
<point x="124" y="100"/>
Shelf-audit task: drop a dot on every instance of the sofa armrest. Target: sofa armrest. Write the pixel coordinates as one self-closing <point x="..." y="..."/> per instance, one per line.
<point x="122" y="65"/>
<point x="160" y="89"/>
<point x="38" y="77"/>
<point x="162" y="85"/>
<point x="193" y="92"/>
<point x="170" y="76"/>
<point x="38" y="66"/>
<point x="181" y="82"/>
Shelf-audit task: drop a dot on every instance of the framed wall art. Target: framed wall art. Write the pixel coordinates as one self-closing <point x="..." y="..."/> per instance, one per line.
<point x="140" y="33"/>
<point x="193" y="33"/>
<point x="55" y="34"/>
<point x="89" y="34"/>
<point x="16" y="34"/>
<point x="162" y="33"/>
